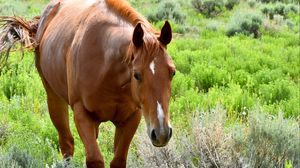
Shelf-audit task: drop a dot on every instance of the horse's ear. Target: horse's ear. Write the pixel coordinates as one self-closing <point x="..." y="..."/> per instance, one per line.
<point x="166" y="34"/>
<point x="138" y="35"/>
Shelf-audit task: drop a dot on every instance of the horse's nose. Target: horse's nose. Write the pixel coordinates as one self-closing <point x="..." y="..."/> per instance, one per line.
<point x="161" y="137"/>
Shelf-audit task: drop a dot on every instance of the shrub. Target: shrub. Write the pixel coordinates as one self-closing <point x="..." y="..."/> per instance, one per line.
<point x="203" y="144"/>
<point x="268" y="11"/>
<point x="237" y="101"/>
<point x="181" y="84"/>
<point x="245" y="23"/>
<point x="290" y="24"/>
<point x="283" y="1"/>
<point x="213" y="25"/>
<point x="208" y="76"/>
<point x="14" y="83"/>
<point x="229" y="4"/>
<point x="208" y="8"/>
<point x="276" y="91"/>
<point x="252" y="3"/>
<point x="278" y="19"/>
<point x="3" y="132"/>
<point x="211" y="141"/>
<point x="19" y="159"/>
<point x="270" y="141"/>
<point x="293" y="8"/>
<point x="279" y="9"/>
<point x="167" y="10"/>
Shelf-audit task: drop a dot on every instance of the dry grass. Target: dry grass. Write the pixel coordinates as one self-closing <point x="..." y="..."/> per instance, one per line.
<point x="212" y="142"/>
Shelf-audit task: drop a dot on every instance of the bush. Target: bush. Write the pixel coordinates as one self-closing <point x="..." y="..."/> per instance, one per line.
<point x="270" y="141"/>
<point x="14" y="83"/>
<point x="268" y="11"/>
<point x="208" y="8"/>
<point x="229" y="4"/>
<point x="3" y="132"/>
<point x="19" y="159"/>
<point x="245" y="23"/>
<point x="211" y="141"/>
<point x="252" y="3"/>
<point x="206" y="76"/>
<point x="213" y="25"/>
<point x="279" y="9"/>
<point x="167" y="10"/>
<point x="203" y="144"/>
<point x="283" y="1"/>
<point x="276" y="91"/>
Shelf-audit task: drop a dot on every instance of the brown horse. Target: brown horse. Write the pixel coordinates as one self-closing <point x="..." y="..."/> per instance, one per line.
<point x="105" y="60"/>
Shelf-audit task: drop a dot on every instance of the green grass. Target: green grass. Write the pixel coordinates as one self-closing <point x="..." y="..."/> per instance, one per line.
<point x="254" y="81"/>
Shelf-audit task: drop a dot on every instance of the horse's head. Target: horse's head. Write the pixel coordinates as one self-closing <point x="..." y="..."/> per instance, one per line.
<point x="152" y="72"/>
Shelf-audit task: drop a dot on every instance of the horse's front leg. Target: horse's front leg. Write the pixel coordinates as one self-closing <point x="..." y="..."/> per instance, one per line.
<point x="123" y="136"/>
<point x="87" y="128"/>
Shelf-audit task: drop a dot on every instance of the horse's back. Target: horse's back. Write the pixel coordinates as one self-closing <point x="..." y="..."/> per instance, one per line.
<point x="75" y="52"/>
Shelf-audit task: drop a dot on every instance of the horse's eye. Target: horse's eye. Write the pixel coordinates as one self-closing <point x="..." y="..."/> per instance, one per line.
<point x="137" y="76"/>
<point x="174" y="73"/>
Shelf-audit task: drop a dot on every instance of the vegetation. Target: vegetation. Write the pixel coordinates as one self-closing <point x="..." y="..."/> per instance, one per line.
<point x="209" y="8"/>
<point x="235" y="96"/>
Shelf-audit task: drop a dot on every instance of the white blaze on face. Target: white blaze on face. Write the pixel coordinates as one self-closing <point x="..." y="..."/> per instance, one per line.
<point x="152" y="67"/>
<point x="160" y="115"/>
<point x="90" y="2"/>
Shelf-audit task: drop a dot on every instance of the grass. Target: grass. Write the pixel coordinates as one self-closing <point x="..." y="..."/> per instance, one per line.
<point x="235" y="100"/>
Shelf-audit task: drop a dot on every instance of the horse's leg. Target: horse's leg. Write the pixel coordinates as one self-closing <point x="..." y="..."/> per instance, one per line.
<point x="58" y="110"/>
<point x="123" y="136"/>
<point x="87" y="128"/>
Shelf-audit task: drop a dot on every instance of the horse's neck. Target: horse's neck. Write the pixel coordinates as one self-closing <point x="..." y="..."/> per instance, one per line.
<point x="119" y="41"/>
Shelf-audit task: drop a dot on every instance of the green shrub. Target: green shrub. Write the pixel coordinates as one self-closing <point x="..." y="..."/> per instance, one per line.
<point x="3" y="132"/>
<point x="290" y="24"/>
<point x="252" y="3"/>
<point x="276" y="91"/>
<point x="167" y="10"/>
<point x="213" y="25"/>
<point x="279" y="9"/>
<point x="268" y="11"/>
<point x="208" y="8"/>
<point x="14" y="83"/>
<point x="283" y="1"/>
<point x="207" y="76"/>
<point x="266" y="76"/>
<point x="241" y="77"/>
<point x="180" y="84"/>
<point x="245" y="23"/>
<point x="293" y="8"/>
<point x="237" y="101"/>
<point x="229" y="4"/>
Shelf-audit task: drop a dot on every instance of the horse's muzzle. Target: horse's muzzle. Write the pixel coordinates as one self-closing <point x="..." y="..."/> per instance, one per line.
<point x="160" y="137"/>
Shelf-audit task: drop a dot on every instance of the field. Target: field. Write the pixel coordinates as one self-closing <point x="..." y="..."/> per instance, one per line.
<point x="235" y="97"/>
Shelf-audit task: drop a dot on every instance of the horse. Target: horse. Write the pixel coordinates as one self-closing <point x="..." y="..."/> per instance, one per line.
<point x="107" y="62"/>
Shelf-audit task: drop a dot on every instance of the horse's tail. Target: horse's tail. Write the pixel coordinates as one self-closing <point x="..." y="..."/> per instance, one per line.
<point x="14" y="29"/>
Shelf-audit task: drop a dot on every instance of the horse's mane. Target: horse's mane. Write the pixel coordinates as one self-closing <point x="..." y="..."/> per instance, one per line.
<point x="123" y="9"/>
